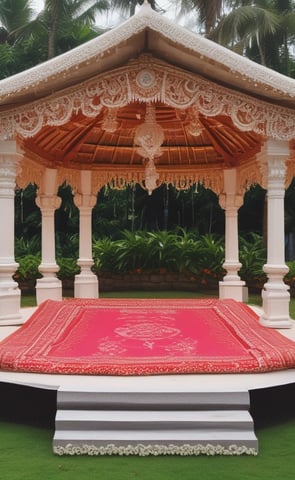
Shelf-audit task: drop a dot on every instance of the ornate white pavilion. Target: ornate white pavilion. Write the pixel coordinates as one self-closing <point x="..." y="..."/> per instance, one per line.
<point x="152" y="103"/>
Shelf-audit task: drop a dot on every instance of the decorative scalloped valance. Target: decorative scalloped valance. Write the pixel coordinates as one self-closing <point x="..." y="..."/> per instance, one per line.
<point x="147" y="79"/>
<point x="31" y="172"/>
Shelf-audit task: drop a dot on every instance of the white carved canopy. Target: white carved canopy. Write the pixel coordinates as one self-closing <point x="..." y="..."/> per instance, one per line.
<point x="147" y="79"/>
<point x="81" y="110"/>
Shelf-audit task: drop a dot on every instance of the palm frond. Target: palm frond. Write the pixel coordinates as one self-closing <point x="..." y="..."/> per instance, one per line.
<point x="245" y="25"/>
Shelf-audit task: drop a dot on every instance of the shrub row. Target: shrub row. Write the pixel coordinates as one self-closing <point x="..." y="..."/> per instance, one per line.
<point x="199" y="257"/>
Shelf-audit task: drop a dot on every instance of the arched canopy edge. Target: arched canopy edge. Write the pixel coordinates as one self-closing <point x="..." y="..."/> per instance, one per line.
<point x="149" y="80"/>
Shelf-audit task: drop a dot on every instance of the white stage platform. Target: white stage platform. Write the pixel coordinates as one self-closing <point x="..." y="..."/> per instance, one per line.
<point x="202" y="382"/>
<point x="94" y="412"/>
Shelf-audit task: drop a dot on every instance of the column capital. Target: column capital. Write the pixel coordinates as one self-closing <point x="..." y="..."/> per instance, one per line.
<point x="87" y="201"/>
<point x="275" y="175"/>
<point x="9" y="160"/>
<point x="272" y="160"/>
<point x="230" y="202"/>
<point x="10" y="157"/>
<point x="48" y="202"/>
<point x="9" y="168"/>
<point x="231" y="198"/>
<point x="276" y="168"/>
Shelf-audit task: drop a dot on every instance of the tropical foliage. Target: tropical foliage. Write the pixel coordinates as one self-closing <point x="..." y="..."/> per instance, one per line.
<point x="28" y="38"/>
<point x="199" y="257"/>
<point x="182" y="252"/>
<point x="252" y="257"/>
<point x="263" y="30"/>
<point x="27" y="272"/>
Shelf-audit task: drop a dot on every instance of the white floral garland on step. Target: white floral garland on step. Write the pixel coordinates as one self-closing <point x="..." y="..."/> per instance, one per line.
<point x="155" y="450"/>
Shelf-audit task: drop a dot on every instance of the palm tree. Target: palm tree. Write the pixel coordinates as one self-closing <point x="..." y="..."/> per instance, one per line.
<point x="208" y="13"/>
<point x="27" y="39"/>
<point x="18" y="49"/>
<point x="285" y="36"/>
<point x="14" y="14"/>
<point x="261" y="30"/>
<point x="127" y="7"/>
<point x="60" y="18"/>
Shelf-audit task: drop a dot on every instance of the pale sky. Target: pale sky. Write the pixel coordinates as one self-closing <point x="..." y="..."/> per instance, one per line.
<point x="166" y="5"/>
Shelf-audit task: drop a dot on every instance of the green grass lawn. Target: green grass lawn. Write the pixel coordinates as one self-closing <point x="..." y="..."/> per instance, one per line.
<point x="26" y="450"/>
<point x="254" y="299"/>
<point x="26" y="454"/>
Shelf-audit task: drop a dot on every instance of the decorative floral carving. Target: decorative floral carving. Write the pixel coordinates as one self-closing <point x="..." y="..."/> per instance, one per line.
<point x="148" y="79"/>
<point x="145" y="78"/>
<point x="276" y="169"/>
<point x="68" y="64"/>
<point x="9" y="165"/>
<point x="249" y="174"/>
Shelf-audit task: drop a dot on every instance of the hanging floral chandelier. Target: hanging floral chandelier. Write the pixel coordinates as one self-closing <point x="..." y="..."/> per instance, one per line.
<point x="149" y="137"/>
<point x="194" y="126"/>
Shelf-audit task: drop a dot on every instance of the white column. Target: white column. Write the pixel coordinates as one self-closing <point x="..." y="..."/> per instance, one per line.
<point x="275" y="295"/>
<point x="86" y="282"/>
<point x="9" y="292"/>
<point x="231" y="286"/>
<point x="49" y="286"/>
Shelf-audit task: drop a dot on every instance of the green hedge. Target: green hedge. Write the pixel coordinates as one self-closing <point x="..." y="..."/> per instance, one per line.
<point x="156" y="252"/>
<point x="200" y="257"/>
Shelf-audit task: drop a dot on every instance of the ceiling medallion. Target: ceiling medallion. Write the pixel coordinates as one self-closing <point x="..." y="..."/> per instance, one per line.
<point x="145" y="78"/>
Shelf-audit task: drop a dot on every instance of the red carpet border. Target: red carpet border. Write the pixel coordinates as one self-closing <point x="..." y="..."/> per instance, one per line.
<point x="145" y="337"/>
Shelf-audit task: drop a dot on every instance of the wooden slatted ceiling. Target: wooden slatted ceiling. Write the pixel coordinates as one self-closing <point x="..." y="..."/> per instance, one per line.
<point x="83" y="141"/>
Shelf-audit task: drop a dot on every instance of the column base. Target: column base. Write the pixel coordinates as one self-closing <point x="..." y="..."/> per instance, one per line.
<point x="86" y="286"/>
<point x="276" y="308"/>
<point x="233" y="289"/>
<point x="48" y="288"/>
<point x="10" y="307"/>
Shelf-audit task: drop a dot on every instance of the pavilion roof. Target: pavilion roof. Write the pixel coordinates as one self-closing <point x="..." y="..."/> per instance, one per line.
<point x="58" y="108"/>
<point x="148" y="31"/>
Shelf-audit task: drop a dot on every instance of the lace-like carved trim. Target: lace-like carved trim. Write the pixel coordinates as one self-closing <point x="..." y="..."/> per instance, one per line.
<point x="32" y="172"/>
<point x="65" y="64"/>
<point x="29" y="172"/>
<point x="249" y="174"/>
<point x="167" y="84"/>
<point x="145" y="450"/>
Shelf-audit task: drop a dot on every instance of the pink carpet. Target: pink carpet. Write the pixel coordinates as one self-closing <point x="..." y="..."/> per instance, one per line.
<point x="145" y="337"/>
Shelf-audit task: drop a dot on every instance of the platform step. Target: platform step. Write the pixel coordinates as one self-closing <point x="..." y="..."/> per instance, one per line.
<point x="152" y="420"/>
<point x="104" y="437"/>
<point x="99" y="422"/>
<point x="113" y="400"/>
